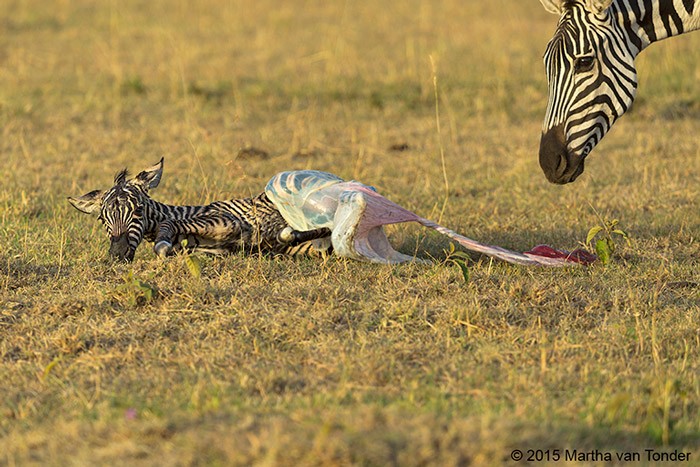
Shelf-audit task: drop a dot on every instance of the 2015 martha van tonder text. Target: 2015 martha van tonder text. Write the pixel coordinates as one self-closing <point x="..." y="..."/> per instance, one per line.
<point x="595" y="455"/>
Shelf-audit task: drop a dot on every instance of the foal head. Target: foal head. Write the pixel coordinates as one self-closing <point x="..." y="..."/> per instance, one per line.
<point x="121" y="209"/>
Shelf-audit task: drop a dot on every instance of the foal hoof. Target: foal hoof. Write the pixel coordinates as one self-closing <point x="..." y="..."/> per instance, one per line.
<point x="286" y="235"/>
<point x="163" y="248"/>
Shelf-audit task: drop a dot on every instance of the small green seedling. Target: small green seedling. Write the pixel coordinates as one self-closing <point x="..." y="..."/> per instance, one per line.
<point x="460" y="259"/>
<point x="194" y="265"/>
<point x="133" y="85"/>
<point x="605" y="236"/>
<point x="136" y="291"/>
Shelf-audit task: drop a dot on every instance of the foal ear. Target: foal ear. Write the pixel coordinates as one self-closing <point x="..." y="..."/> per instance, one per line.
<point x="150" y="178"/>
<point x="553" y="6"/>
<point x="89" y="203"/>
<point x="598" y="6"/>
<point x="120" y="178"/>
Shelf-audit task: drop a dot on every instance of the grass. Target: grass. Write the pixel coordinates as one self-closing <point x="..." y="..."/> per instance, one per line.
<point x="288" y="362"/>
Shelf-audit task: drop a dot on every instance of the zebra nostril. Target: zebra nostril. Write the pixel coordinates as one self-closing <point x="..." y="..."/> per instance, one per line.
<point x="562" y="165"/>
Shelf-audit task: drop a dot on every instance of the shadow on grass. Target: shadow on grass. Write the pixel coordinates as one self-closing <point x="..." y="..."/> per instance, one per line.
<point x="18" y="273"/>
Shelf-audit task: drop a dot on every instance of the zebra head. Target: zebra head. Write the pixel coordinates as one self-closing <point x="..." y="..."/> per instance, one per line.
<point x="592" y="81"/>
<point x="121" y="209"/>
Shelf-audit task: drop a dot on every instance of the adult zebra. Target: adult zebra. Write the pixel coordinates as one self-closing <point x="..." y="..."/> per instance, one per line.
<point x="590" y="69"/>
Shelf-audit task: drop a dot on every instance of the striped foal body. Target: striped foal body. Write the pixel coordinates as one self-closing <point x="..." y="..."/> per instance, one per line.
<point x="591" y="73"/>
<point x="250" y="225"/>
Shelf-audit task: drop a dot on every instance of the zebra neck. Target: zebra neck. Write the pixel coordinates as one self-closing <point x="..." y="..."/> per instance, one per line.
<point x="156" y="213"/>
<point x="649" y="21"/>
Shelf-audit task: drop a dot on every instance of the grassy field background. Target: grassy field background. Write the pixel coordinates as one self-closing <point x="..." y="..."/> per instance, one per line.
<point x="307" y="362"/>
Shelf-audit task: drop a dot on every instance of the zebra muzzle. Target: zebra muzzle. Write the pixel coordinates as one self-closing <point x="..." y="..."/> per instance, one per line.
<point x="119" y="248"/>
<point x="558" y="163"/>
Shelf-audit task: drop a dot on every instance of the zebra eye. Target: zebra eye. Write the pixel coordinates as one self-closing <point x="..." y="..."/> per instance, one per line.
<point x="583" y="64"/>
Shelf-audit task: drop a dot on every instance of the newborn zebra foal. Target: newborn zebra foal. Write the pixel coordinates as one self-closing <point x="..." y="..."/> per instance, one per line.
<point x="252" y="225"/>
<point x="303" y="211"/>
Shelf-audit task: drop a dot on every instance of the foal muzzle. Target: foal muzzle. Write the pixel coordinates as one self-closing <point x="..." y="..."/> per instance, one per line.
<point x="119" y="248"/>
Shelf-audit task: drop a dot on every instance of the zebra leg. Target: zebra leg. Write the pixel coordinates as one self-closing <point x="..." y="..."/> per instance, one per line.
<point x="221" y="229"/>
<point x="321" y="247"/>
<point x="316" y="242"/>
<point x="292" y="237"/>
<point x="167" y="233"/>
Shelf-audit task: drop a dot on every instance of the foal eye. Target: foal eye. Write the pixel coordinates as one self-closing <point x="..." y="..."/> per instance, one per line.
<point x="583" y="64"/>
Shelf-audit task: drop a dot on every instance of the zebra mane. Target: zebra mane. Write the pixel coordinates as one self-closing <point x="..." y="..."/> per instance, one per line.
<point x="120" y="178"/>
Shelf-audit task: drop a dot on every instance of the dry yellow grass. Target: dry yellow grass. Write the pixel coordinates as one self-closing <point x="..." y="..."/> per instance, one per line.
<point x="280" y="362"/>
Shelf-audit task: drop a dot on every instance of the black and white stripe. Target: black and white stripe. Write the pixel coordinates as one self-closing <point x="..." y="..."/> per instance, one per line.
<point x="591" y="73"/>
<point x="251" y="225"/>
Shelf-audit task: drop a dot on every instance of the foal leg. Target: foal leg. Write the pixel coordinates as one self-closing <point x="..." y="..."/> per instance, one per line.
<point x="291" y="237"/>
<point x="220" y="230"/>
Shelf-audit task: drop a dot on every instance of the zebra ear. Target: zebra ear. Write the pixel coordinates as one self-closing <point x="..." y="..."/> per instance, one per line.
<point x="150" y="178"/>
<point x="598" y="6"/>
<point x="89" y="203"/>
<point x="553" y="6"/>
<point x="120" y="178"/>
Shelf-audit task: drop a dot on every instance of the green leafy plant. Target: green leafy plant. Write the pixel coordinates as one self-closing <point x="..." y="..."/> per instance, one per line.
<point x="603" y="238"/>
<point x="194" y="264"/>
<point x="135" y="291"/>
<point x="133" y="85"/>
<point x="460" y="259"/>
